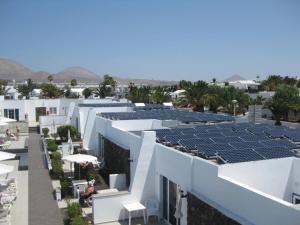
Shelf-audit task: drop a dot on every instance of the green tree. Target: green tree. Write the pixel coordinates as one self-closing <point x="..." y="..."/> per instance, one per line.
<point x="285" y="97"/>
<point x="26" y="89"/>
<point x="73" y="82"/>
<point x="271" y="83"/>
<point x="183" y="84"/>
<point x="214" y="80"/>
<point x="161" y="95"/>
<point x="213" y="98"/>
<point x="298" y="84"/>
<point x="195" y="94"/>
<point x="50" y="91"/>
<point x="139" y="94"/>
<point x="231" y="93"/>
<point x="50" y="78"/>
<point x="3" y="90"/>
<point x="290" y="80"/>
<point x="106" y="87"/>
<point x="87" y="92"/>
<point x="62" y="132"/>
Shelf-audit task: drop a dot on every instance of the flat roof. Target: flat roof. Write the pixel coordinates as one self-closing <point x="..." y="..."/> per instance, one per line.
<point x="168" y="114"/>
<point x="233" y="143"/>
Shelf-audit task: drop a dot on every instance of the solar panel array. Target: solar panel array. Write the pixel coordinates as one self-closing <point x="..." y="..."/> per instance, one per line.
<point x="95" y="105"/>
<point x="183" y="116"/>
<point x="151" y="107"/>
<point x="232" y="143"/>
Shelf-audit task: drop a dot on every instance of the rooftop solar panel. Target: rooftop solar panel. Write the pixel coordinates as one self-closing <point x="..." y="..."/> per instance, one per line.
<point x="279" y="143"/>
<point x="225" y="140"/>
<point x="275" y="152"/>
<point x="242" y="145"/>
<point x="240" y="155"/>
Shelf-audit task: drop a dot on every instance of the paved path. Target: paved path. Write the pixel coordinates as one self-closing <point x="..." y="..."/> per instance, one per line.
<point x="43" y="209"/>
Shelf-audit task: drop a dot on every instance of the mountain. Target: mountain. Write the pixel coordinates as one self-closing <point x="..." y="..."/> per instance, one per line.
<point x="78" y="73"/>
<point x="234" y="78"/>
<point x="11" y="70"/>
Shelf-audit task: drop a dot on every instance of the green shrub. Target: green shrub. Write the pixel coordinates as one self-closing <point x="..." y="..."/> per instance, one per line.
<point x="74" y="210"/>
<point x="91" y="175"/>
<point x="45" y="131"/>
<point x="62" y="132"/>
<point x="56" y="155"/>
<point x="57" y="170"/>
<point x="52" y="147"/>
<point x="79" y="220"/>
<point x="66" y="187"/>
<point x="50" y="141"/>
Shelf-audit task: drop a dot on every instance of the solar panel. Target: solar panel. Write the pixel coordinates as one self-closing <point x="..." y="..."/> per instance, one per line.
<point x="225" y="140"/>
<point x="242" y="145"/>
<point x="253" y="138"/>
<point x="275" y="152"/>
<point x="240" y="155"/>
<point x="279" y="143"/>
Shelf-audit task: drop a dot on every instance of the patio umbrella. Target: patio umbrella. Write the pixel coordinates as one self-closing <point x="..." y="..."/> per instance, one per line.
<point x="4" y="169"/>
<point x="178" y="213"/>
<point x="79" y="158"/>
<point x="6" y="155"/>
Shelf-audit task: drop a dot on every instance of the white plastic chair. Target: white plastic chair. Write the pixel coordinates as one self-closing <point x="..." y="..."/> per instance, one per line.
<point x="152" y="207"/>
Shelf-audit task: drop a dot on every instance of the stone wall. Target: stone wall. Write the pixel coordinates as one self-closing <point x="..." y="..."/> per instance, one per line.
<point x="200" y="213"/>
<point x="116" y="161"/>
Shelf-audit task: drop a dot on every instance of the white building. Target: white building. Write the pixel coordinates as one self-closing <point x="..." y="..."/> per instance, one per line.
<point x="262" y="192"/>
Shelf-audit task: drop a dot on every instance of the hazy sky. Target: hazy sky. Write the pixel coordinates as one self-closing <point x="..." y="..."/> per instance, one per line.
<point x="157" y="39"/>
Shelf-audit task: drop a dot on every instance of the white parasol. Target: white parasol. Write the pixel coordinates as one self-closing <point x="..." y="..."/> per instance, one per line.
<point x="80" y="158"/>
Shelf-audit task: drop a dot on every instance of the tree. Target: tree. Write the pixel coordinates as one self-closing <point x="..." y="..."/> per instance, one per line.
<point x="62" y="132"/>
<point x="214" y="80"/>
<point x="87" y="92"/>
<point x="231" y="93"/>
<point x="195" y="93"/>
<point x="285" y="97"/>
<point x="183" y="84"/>
<point x="106" y="87"/>
<point x="50" y="91"/>
<point x="213" y="98"/>
<point x="160" y="95"/>
<point x="139" y="94"/>
<point x="290" y="80"/>
<point x="298" y="84"/>
<point x="3" y="90"/>
<point x="26" y="89"/>
<point x="73" y="82"/>
<point x="50" y="78"/>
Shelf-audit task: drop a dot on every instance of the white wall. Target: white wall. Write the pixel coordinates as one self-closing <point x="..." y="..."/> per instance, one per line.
<point x="261" y="175"/>
<point x="226" y="188"/>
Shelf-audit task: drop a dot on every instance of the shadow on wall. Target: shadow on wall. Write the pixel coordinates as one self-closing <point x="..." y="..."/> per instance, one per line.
<point x="116" y="161"/>
<point x="201" y="213"/>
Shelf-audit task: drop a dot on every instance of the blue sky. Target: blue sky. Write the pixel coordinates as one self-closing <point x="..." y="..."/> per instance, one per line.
<point x="157" y="39"/>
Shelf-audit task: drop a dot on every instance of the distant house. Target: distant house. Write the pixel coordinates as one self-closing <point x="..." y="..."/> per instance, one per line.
<point x="245" y="84"/>
<point x="178" y="94"/>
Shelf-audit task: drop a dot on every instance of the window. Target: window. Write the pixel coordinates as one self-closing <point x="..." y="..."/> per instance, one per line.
<point x="12" y="114"/>
<point x="53" y="110"/>
<point x="296" y="199"/>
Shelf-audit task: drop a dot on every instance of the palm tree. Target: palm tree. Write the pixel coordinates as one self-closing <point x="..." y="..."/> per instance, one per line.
<point x="195" y="93"/>
<point x="285" y="97"/>
<point x="50" y="78"/>
<point x="73" y="82"/>
<point x="3" y="89"/>
<point x="160" y="95"/>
